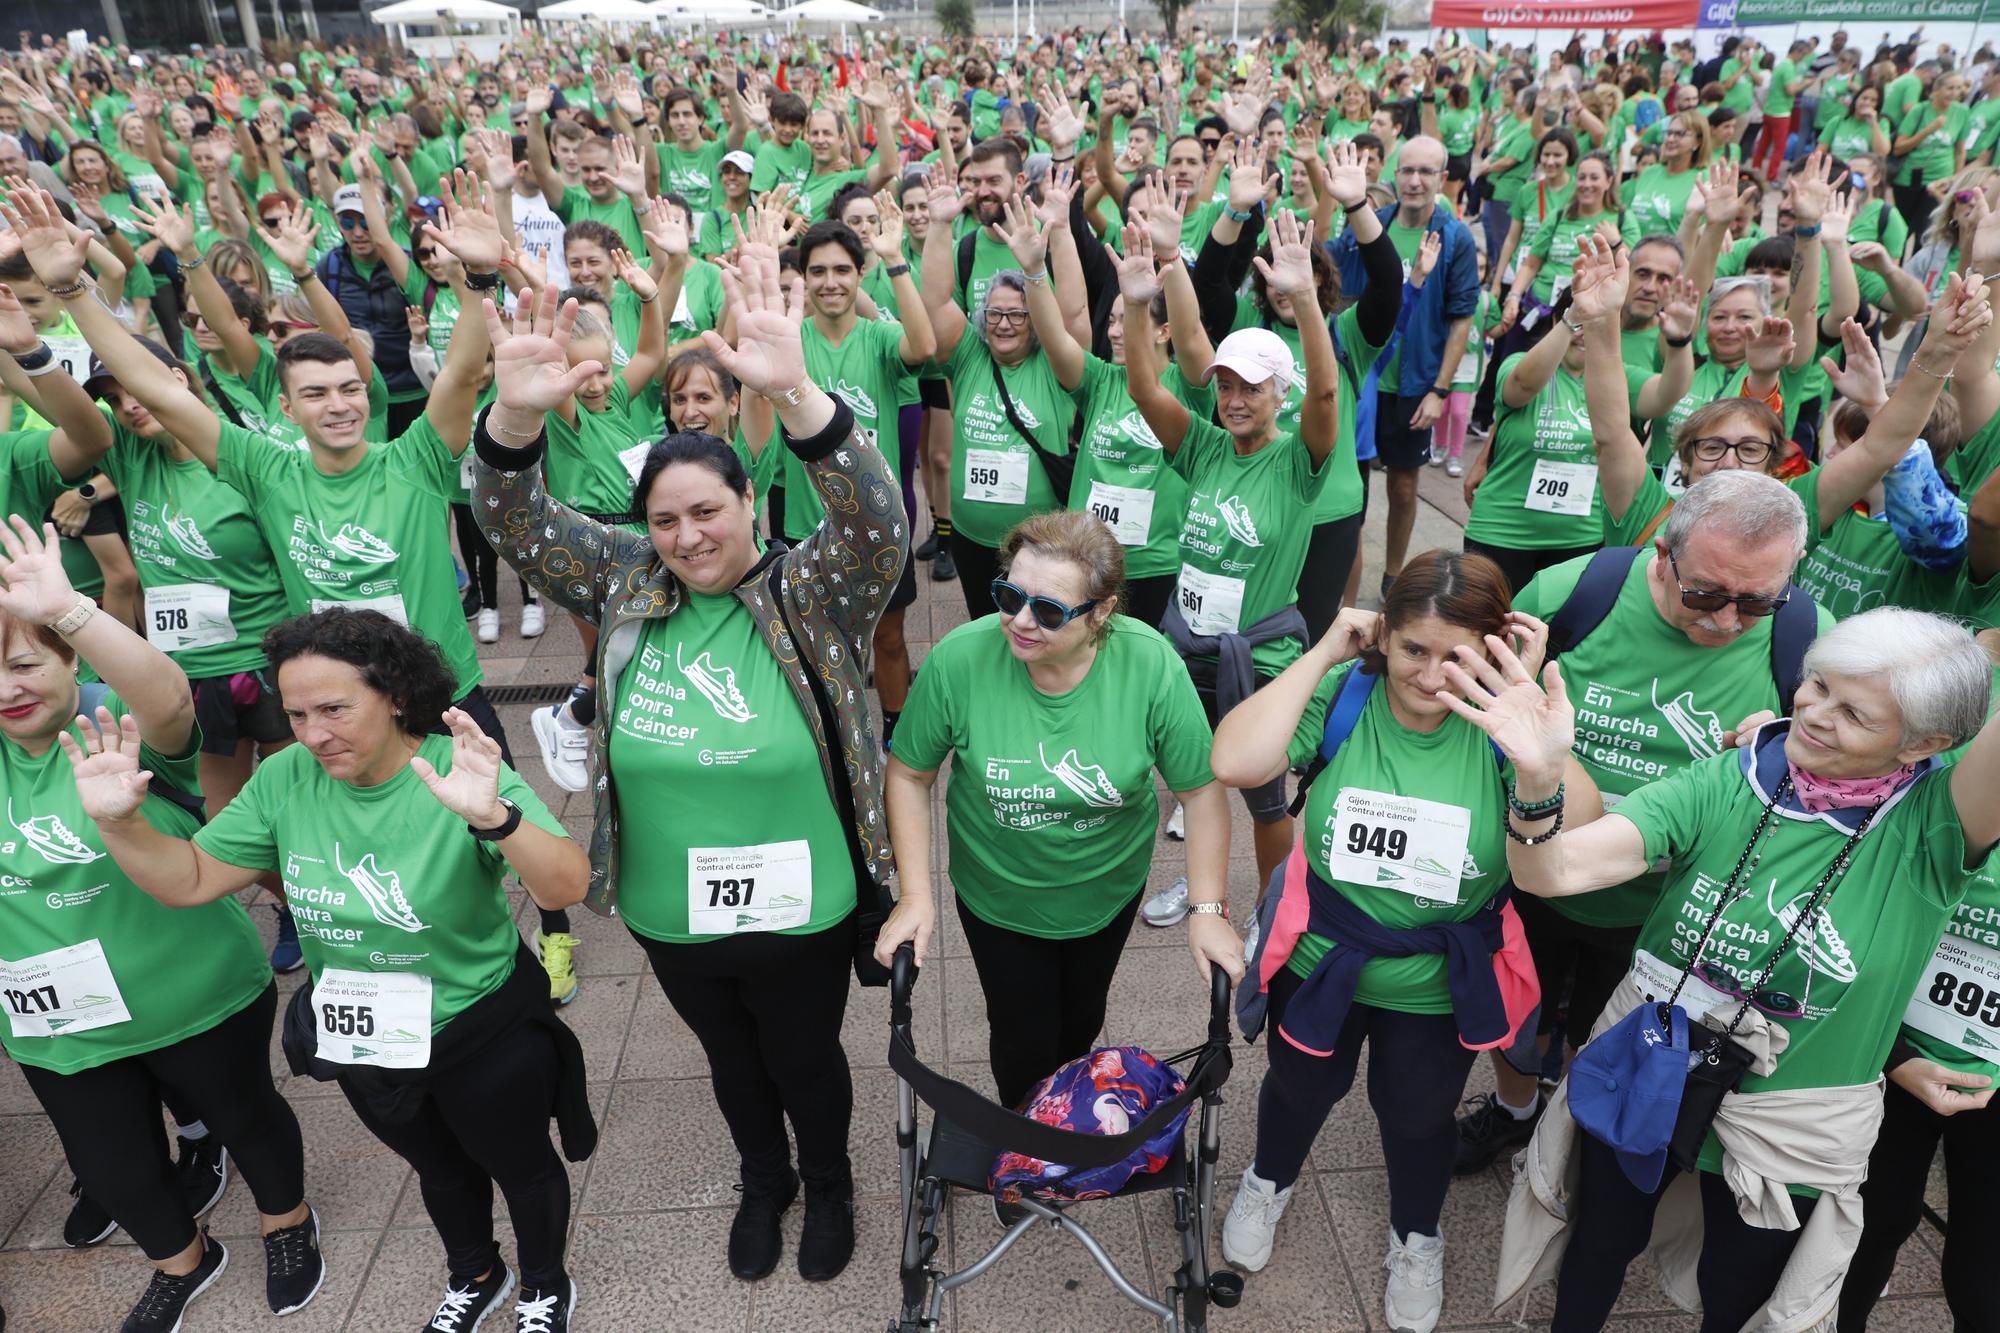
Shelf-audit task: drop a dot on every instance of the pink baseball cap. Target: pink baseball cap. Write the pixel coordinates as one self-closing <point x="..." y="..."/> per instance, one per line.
<point x="1256" y="355"/>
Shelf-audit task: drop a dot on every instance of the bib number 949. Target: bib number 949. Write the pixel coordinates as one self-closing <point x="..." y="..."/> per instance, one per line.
<point x="1391" y="844"/>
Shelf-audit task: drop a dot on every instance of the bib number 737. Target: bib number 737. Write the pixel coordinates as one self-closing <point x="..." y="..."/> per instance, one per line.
<point x="736" y="890"/>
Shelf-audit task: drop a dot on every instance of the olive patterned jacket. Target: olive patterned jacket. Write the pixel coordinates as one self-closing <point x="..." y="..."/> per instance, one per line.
<point x="815" y="605"/>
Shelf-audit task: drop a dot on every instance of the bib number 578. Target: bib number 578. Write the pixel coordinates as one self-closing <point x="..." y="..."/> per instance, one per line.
<point x="170" y="618"/>
<point x="347" y="1020"/>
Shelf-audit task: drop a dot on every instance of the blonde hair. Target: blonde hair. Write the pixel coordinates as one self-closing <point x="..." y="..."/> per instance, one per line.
<point x="1696" y="124"/>
<point x="1081" y="539"/>
<point x="1944" y="226"/>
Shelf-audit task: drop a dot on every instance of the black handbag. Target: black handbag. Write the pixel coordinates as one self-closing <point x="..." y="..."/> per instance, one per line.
<point x="1060" y="468"/>
<point x="1720" y="1062"/>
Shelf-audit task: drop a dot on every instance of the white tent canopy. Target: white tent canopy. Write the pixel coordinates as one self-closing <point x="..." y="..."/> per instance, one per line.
<point x="711" y="11"/>
<point x="443" y="11"/>
<point x="829" y="11"/>
<point x="481" y="25"/>
<point x="599" y="11"/>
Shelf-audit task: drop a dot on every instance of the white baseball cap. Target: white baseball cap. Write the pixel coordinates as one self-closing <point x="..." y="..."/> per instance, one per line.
<point x="347" y="199"/>
<point x="739" y="159"/>
<point x="1256" y="355"/>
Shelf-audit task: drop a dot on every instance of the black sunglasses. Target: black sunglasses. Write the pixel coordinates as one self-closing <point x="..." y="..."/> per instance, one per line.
<point x="1707" y="599"/>
<point x="1047" y="611"/>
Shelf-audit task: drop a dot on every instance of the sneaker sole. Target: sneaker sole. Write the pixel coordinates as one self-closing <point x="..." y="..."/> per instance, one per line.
<point x="289" y="968"/>
<point x="499" y="1299"/>
<point x="221" y="1188"/>
<point x="575" y="982"/>
<point x="293" y="1309"/>
<point x="543" y="724"/>
<point x="98" y="1239"/>
<point x="1162" y="923"/>
<point x="1237" y="1261"/>
<point x="195" y="1295"/>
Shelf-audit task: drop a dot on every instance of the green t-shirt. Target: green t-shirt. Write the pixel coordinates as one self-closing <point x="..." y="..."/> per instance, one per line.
<point x="1777" y="99"/>
<point x="692" y="175"/>
<point x="1514" y="138"/>
<point x="1540" y="492"/>
<point x="441" y="318"/>
<point x="1857" y="565"/>
<point x="1954" y="1016"/>
<point x="593" y="464"/>
<point x="374" y="537"/>
<point x="382" y="878"/>
<point x="1982" y="127"/>
<point x="1651" y="503"/>
<point x="1243" y="545"/>
<point x="1536" y="206"/>
<point x="1656" y="202"/>
<point x="1459" y="129"/>
<point x="175" y="971"/>
<point x="996" y="480"/>
<point x="1742" y="94"/>
<point x="1844" y="136"/>
<point x="866" y="373"/>
<point x="1874" y="932"/>
<point x="1903" y="92"/>
<point x="988" y="257"/>
<point x="211" y="584"/>
<point x="1714" y="381"/>
<point x="1453" y="772"/>
<point x="29" y="482"/>
<point x="1407" y="240"/>
<point x="1555" y="245"/>
<point x="706" y="726"/>
<point x="816" y="193"/>
<point x="1648" y="704"/>
<point x="576" y="205"/>
<point x="1051" y="810"/>
<point x="780" y="164"/>
<point x="257" y="398"/>
<point x="1122" y="474"/>
<point x="1342" y="494"/>
<point x="1936" y="154"/>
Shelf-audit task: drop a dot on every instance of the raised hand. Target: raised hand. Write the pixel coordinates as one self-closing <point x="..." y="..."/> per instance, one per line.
<point x="1058" y="189"/>
<point x="534" y="274"/>
<point x="625" y="91"/>
<point x="1138" y="273"/>
<point x="1427" y="254"/>
<point x="888" y="239"/>
<point x="1346" y="174"/>
<point x="1532" y="724"/>
<point x="1679" y="309"/>
<point x="54" y="248"/>
<point x="943" y="193"/>
<point x="1985" y="228"/>
<point x="292" y="243"/>
<point x="633" y="275"/>
<point x="166" y="224"/>
<point x="666" y="229"/>
<point x="1861" y="378"/>
<point x="628" y="173"/>
<point x="17" y="327"/>
<point x="1246" y="176"/>
<point x="1059" y="123"/>
<point x="531" y="367"/>
<point x="1599" y="280"/>
<point x="1023" y="234"/>
<point x="1723" y="200"/>
<point x="472" y="789"/>
<point x="768" y="357"/>
<point x="1771" y="346"/>
<point x="539" y="100"/>
<point x="1810" y="189"/>
<point x="110" y="785"/>
<point x="36" y="588"/>
<point x="1241" y="112"/>
<point x="1960" y="315"/>
<point x="757" y="105"/>
<point x="1290" y="267"/>
<point x="466" y="223"/>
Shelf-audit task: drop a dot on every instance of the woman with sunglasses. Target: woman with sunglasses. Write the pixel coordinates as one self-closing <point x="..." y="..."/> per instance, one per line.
<point x="1055" y="714"/>
<point x="1810" y="875"/>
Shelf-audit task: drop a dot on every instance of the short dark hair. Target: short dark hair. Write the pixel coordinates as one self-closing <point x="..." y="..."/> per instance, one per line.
<point x="1002" y="146"/>
<point x="1772" y="254"/>
<point x="396" y="662"/>
<point x="789" y="108"/>
<point x="689" y="446"/>
<point x="597" y="233"/>
<point x="1463" y="589"/>
<point x="679" y="95"/>
<point x="321" y="348"/>
<point x="246" y="305"/>
<point x="831" y="232"/>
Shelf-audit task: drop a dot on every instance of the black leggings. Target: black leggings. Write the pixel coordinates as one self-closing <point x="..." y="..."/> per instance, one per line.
<point x="978" y="566"/>
<point x="484" y="1121"/>
<point x="1146" y="599"/>
<point x="1323" y="582"/>
<point x="108" y="1118"/>
<point x="1416" y="1074"/>
<point x="482" y="562"/>
<point x="1893" y="1199"/>
<point x="1044" y="998"/>
<point x="1522" y="565"/>
<point x="1611" y="1220"/>
<point x="767" y="1008"/>
<point x="1915" y="203"/>
<point x="1586" y="962"/>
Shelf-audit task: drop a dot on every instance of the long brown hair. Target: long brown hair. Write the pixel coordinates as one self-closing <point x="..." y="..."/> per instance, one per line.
<point x="1457" y="587"/>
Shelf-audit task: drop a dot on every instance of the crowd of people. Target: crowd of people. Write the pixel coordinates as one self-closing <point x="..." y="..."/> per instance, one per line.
<point x="715" y="342"/>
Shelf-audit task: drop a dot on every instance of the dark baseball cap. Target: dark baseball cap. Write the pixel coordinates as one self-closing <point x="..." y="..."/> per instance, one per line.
<point x="95" y="382"/>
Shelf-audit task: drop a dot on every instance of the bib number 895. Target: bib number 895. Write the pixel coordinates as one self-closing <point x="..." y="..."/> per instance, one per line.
<point x="1388" y="843"/>
<point x="347" y="1020"/>
<point x="1967" y="997"/>
<point x="170" y="618"/>
<point x="731" y="892"/>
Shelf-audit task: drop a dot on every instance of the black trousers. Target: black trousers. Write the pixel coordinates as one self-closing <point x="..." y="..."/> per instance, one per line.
<point x="1416" y="1074"/>
<point x="482" y="562"/>
<point x="108" y="1119"/>
<point x="1521" y="566"/>
<point x="767" y="1009"/>
<point x="480" y="708"/>
<point x="1146" y="599"/>
<point x="1323" y="582"/>
<point x="1893" y="1200"/>
<point x="978" y="566"/>
<point x="485" y="1121"/>
<point x="1610" y="1221"/>
<point x="1045" y="999"/>
<point x="1585" y="961"/>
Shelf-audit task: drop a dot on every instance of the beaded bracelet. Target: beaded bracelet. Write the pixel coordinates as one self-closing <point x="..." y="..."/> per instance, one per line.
<point x="1535" y="809"/>
<point x="1536" y="840"/>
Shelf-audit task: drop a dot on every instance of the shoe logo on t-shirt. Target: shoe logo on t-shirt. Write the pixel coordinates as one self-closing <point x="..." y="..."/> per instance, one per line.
<point x="1136" y="430"/>
<point x="717" y="684"/>
<point x="1829" y="952"/>
<point x="382" y="890"/>
<point x="181" y="526"/>
<point x="1087" y="781"/>
<point x="51" y="837"/>
<point x="856" y="398"/>
<point x="1699" y="729"/>
<point x="358" y="543"/>
<point x="1236" y="517"/>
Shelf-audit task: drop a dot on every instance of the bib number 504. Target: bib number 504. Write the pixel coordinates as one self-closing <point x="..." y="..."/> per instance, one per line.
<point x="347" y="1020"/>
<point x="731" y="892"/>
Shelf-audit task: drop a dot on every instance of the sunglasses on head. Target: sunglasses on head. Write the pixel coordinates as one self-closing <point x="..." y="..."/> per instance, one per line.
<point x="1707" y="599"/>
<point x="1047" y="611"/>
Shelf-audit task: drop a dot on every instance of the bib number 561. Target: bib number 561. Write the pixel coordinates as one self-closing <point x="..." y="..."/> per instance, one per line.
<point x="347" y="1020"/>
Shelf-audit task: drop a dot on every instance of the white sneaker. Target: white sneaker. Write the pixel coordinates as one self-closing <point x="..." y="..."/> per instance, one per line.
<point x="565" y="747"/>
<point x="533" y="620"/>
<point x="488" y="630"/>
<point x="1454" y="467"/>
<point x="1177" y="823"/>
<point x="1416" y="1283"/>
<point x="1168" y="907"/>
<point x="1252" y="1223"/>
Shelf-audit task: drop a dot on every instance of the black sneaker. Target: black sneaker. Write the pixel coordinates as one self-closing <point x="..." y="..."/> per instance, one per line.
<point x="944" y="569"/>
<point x="87" y="1223"/>
<point x="826" y="1239"/>
<point x="203" y="1171"/>
<point x="293" y="1265"/>
<point x="467" y="1301"/>
<point x="928" y="547"/>
<point x="1489" y="1130"/>
<point x="755" y="1238"/>
<point x="546" y="1309"/>
<point x="167" y="1298"/>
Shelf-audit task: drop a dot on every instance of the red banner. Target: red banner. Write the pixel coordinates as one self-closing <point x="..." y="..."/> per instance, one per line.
<point x="1647" y="14"/>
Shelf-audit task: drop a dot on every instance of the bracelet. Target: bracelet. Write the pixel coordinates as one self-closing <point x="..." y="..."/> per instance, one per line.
<point x="1678" y="343"/>
<point x="1060" y="160"/>
<point x="648" y="300"/>
<point x="35" y="360"/>
<point x="1234" y="216"/>
<point x="1805" y="233"/>
<point x="73" y="289"/>
<point x="1209" y="909"/>
<point x="488" y="281"/>
<point x="895" y="270"/>
<point x="1040" y="279"/>
<point x="495" y="428"/>
<point x="73" y="619"/>
<point x="305" y="277"/>
<point x="1576" y="330"/>
<point x="791" y="397"/>
<point x="1534" y="809"/>
<point x="48" y="367"/>
<point x="190" y="265"/>
<point x="1537" y="839"/>
<point x="1354" y="208"/>
<point x="1946" y="377"/>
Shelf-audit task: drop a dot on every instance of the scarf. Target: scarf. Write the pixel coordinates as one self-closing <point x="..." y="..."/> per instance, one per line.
<point x="1818" y="795"/>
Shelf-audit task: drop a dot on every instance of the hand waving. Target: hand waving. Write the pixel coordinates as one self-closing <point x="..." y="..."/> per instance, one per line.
<point x="471" y="790"/>
<point x="54" y="248"/>
<point x="109" y="782"/>
<point x="768" y="357"/>
<point x="531" y="361"/>
<point x="1599" y="280"/>
<point x="36" y="588"/>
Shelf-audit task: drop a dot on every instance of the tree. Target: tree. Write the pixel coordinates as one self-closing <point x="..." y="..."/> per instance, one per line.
<point x="955" y="17"/>
<point x="1170" y="14"/>
<point x="1330" y="19"/>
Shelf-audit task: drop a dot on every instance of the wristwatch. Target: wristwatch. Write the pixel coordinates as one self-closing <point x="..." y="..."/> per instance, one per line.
<point x="504" y="829"/>
<point x="1442" y="393"/>
<point x="896" y="270"/>
<point x="1209" y="909"/>
<point x="87" y="493"/>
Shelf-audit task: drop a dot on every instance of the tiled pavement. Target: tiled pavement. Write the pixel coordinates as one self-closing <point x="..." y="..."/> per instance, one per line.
<point x="653" y="1205"/>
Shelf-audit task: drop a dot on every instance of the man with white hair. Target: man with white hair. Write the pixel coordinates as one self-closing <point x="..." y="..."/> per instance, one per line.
<point x="1669" y="651"/>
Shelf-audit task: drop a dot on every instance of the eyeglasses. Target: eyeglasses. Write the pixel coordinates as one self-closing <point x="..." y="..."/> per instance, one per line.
<point x="353" y="222"/>
<point x="1711" y="448"/>
<point x="1047" y="611"/>
<point x="1707" y="599"/>
<point x="291" y="326"/>
<point x="1006" y="317"/>
<point x="1777" y="1003"/>
<point x="275" y="222"/>
<point x="1417" y="171"/>
<point x="425" y="256"/>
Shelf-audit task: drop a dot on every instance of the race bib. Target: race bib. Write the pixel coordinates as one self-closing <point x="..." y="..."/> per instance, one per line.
<point x="63" y="990"/>
<point x="735" y="890"/>
<point x="465" y="462"/>
<point x="996" y="476"/>
<point x="373" y="1018"/>
<point x="74" y="353"/>
<point x="188" y="615"/>
<point x="1959" y="1000"/>
<point x="1211" y="604"/>
<point x="1403" y="843"/>
<point x="1562" y="488"/>
<point x="390" y="606"/>
<point x="634" y="459"/>
<point x="1126" y="510"/>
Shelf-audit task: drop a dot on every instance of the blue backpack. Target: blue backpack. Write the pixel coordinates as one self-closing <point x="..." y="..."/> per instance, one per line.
<point x="1342" y="715"/>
